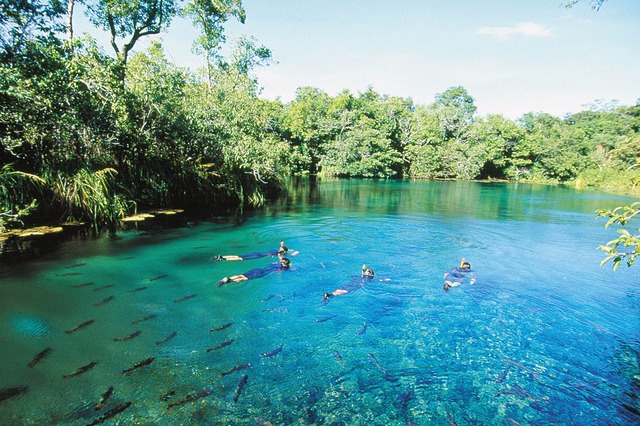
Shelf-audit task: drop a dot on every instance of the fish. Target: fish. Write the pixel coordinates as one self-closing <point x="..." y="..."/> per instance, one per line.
<point x="81" y="370"/>
<point x="273" y="352"/>
<point x="450" y="419"/>
<point x="129" y="337"/>
<point x="520" y="366"/>
<point x="80" y="327"/>
<point x="103" y="400"/>
<point x="68" y="274"/>
<point x="241" y="383"/>
<point x="111" y="413"/>
<point x="279" y="296"/>
<point x="375" y="361"/>
<point x="515" y="390"/>
<point x="136" y="289"/>
<point x="39" y="357"/>
<point x="503" y="375"/>
<point x="168" y="395"/>
<point x="12" y="392"/>
<point x="236" y="368"/>
<point x="327" y="318"/>
<point x="138" y="365"/>
<point x="148" y="317"/>
<point x="338" y="357"/>
<point x="221" y="345"/>
<point x="104" y="287"/>
<point x="159" y="277"/>
<point x="362" y="330"/>
<point x="77" y="265"/>
<point x="87" y="284"/>
<point x="166" y="339"/>
<point x="276" y="310"/>
<point x="183" y="298"/>
<point x="222" y="327"/>
<point x="127" y="258"/>
<point x="202" y="393"/>
<point x="104" y="301"/>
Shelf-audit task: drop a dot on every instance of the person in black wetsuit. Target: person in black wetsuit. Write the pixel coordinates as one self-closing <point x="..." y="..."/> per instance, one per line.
<point x="282" y="265"/>
<point x="459" y="275"/>
<point x="257" y="255"/>
<point x="353" y="285"/>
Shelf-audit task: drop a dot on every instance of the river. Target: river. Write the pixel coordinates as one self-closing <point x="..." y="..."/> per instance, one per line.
<point x="544" y="336"/>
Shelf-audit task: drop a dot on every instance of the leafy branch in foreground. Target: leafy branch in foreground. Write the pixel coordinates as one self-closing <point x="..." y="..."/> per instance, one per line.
<point x="630" y="242"/>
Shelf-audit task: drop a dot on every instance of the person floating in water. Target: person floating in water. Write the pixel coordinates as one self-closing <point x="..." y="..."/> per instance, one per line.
<point x="459" y="275"/>
<point x="353" y="285"/>
<point x="257" y="255"/>
<point x="282" y="265"/>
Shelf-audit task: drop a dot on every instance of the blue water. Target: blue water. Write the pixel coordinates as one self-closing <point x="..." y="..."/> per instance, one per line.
<point x="545" y="336"/>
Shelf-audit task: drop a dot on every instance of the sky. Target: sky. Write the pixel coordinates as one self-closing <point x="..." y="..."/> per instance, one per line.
<point x="512" y="56"/>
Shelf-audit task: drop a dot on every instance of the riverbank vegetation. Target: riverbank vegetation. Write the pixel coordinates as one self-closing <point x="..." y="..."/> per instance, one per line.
<point x="85" y="135"/>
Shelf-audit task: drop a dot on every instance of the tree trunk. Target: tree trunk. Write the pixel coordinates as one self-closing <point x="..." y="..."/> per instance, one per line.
<point x="70" y="7"/>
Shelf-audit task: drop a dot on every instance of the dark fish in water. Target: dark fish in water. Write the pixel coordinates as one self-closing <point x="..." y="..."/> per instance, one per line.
<point x="127" y="258"/>
<point x="276" y="310"/>
<point x="222" y="327"/>
<point x="81" y="370"/>
<point x="138" y="365"/>
<point x="103" y="400"/>
<point x="362" y="330"/>
<point x="136" y="289"/>
<point x="323" y="319"/>
<point x="12" y="392"/>
<point x="104" y="287"/>
<point x="221" y="345"/>
<point x="450" y="419"/>
<point x="273" y="352"/>
<point x="168" y="395"/>
<point x="40" y="356"/>
<point x="129" y="337"/>
<point x="375" y="361"/>
<point x="338" y="357"/>
<point x="183" y="298"/>
<point x="148" y="317"/>
<point x="104" y="301"/>
<point x="520" y="366"/>
<point x="240" y="387"/>
<point x="503" y="375"/>
<point x="279" y="296"/>
<point x="202" y="393"/>
<point x="111" y="413"/>
<point x="236" y="368"/>
<point x="80" y="327"/>
<point x="87" y="284"/>
<point x="159" y="277"/>
<point x="77" y="265"/>
<point x="166" y="339"/>
<point x="390" y="378"/>
<point x="515" y="390"/>
<point x="68" y="274"/>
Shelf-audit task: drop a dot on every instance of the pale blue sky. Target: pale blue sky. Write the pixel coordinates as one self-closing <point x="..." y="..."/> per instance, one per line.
<point x="512" y="56"/>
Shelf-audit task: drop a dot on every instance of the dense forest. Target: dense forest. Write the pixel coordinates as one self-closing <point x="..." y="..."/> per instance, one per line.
<point x="89" y="134"/>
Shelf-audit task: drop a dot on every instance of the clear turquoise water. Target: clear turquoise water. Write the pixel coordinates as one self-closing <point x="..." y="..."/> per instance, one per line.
<point x="546" y="336"/>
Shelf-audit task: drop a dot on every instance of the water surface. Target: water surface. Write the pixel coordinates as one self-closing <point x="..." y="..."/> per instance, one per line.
<point x="544" y="336"/>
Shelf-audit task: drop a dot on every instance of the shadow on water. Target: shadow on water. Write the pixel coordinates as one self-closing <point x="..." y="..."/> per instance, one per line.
<point x="545" y="336"/>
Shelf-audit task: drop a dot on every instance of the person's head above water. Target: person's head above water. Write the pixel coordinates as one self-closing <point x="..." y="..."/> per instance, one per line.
<point x="367" y="272"/>
<point x="283" y="248"/>
<point x="284" y="262"/>
<point x="464" y="264"/>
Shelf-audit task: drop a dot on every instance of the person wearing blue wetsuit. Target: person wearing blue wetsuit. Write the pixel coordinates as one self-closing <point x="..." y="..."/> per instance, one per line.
<point x="353" y="285"/>
<point x="459" y="275"/>
<point x="282" y="265"/>
<point x="257" y="255"/>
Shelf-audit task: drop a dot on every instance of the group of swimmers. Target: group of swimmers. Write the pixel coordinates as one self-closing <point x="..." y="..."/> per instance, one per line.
<point x="457" y="276"/>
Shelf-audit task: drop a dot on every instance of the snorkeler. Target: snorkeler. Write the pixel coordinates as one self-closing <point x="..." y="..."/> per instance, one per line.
<point x="282" y="265"/>
<point x="257" y="255"/>
<point x="459" y="275"/>
<point x="353" y="285"/>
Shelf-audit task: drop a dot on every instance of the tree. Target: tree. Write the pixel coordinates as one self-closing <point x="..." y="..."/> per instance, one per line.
<point x="628" y="241"/>
<point x="595" y="4"/>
